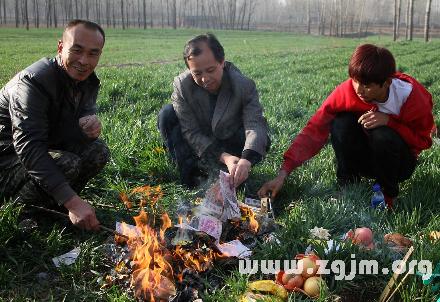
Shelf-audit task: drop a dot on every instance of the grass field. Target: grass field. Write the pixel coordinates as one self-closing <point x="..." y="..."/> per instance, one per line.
<point x="293" y="75"/>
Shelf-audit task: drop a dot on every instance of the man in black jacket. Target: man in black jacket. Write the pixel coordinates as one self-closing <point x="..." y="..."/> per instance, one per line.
<point x="49" y="146"/>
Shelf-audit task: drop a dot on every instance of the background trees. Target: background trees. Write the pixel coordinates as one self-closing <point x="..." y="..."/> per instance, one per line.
<point x="340" y="18"/>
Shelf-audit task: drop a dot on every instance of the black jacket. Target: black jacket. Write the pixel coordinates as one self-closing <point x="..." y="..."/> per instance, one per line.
<point x="38" y="113"/>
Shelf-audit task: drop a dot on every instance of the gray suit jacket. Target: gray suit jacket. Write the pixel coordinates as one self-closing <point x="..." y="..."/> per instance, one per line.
<point x="237" y="106"/>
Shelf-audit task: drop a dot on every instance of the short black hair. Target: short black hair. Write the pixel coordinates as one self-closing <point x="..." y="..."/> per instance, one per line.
<point x="192" y="47"/>
<point x="87" y="24"/>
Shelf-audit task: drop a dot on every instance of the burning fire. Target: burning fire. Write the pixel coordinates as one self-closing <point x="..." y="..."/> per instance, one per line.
<point x="248" y="214"/>
<point x="152" y="273"/>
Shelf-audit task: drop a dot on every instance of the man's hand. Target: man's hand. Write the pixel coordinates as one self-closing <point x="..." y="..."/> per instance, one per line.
<point x="238" y="168"/>
<point x="82" y="214"/>
<point x="371" y="120"/>
<point x="91" y="126"/>
<point x="274" y="185"/>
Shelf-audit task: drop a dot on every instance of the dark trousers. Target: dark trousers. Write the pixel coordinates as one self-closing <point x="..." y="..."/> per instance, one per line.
<point x="78" y="169"/>
<point x="378" y="153"/>
<point x="187" y="162"/>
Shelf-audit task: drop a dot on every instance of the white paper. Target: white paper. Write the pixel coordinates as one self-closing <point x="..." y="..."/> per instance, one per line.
<point x="67" y="258"/>
<point x="234" y="248"/>
<point x="128" y="230"/>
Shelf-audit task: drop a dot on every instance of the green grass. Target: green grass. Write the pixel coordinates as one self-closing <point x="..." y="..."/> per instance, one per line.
<point x="293" y="75"/>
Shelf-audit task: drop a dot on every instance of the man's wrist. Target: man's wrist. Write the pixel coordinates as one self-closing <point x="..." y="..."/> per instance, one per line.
<point x="282" y="174"/>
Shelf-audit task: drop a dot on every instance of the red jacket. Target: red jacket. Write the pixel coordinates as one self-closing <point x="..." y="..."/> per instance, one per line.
<point x="414" y="122"/>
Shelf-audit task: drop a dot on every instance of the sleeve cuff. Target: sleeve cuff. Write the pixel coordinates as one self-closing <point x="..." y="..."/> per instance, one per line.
<point x="63" y="193"/>
<point x="252" y="156"/>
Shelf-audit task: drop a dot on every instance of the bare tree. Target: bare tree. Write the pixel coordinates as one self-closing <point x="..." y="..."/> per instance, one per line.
<point x="395" y="21"/>
<point x="174" y="13"/>
<point x="411" y="20"/>
<point x="122" y="14"/>
<point x="252" y="7"/>
<point x="25" y="14"/>
<point x="399" y="10"/>
<point x="107" y="13"/>
<point x="322" y="19"/>
<point x="4" y="11"/>
<point x="36" y="14"/>
<point x="151" y="13"/>
<point x="87" y="9"/>
<point x="98" y="11"/>
<point x="54" y="10"/>
<point x="427" y="17"/>
<point x="309" y="19"/>
<point x="144" y="10"/>
<point x="161" y="13"/>
<point x="17" y="20"/>
<point x="114" y="14"/>
<point x="361" y="17"/>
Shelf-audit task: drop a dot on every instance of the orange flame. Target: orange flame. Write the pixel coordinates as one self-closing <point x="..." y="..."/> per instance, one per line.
<point x="124" y="198"/>
<point x="151" y="269"/>
<point x="194" y="259"/>
<point x="166" y="223"/>
<point x="247" y="213"/>
<point x="148" y="194"/>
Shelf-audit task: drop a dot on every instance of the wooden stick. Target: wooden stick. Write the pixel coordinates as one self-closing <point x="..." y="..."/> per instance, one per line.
<point x="104" y="228"/>
<point x="394" y="277"/>
<point x="397" y="287"/>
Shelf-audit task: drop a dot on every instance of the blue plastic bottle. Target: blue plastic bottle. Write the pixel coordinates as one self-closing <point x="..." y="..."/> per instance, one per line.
<point x="377" y="200"/>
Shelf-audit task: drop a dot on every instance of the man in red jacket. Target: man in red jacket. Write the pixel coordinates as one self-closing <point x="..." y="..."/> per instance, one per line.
<point x="379" y="120"/>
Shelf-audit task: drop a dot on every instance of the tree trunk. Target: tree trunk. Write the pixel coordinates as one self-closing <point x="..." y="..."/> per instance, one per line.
<point x="4" y="11"/>
<point x="54" y="10"/>
<point x="399" y="10"/>
<point x="174" y="13"/>
<point x="161" y="13"/>
<point x="36" y="14"/>
<point x="407" y="20"/>
<point x="361" y="17"/>
<point x="87" y="9"/>
<point x="77" y="11"/>
<point x="127" y="14"/>
<point x="252" y="6"/>
<point x="98" y="11"/>
<point x="308" y="18"/>
<point x="48" y="15"/>
<point x="427" y="17"/>
<point x="411" y="19"/>
<point x="114" y="14"/>
<point x="17" y="14"/>
<point x="168" y="14"/>
<point x="151" y="13"/>
<point x="107" y="13"/>
<point x="26" y="15"/>
<point x="395" y="21"/>
<point x="144" y="11"/>
<point x="123" y="14"/>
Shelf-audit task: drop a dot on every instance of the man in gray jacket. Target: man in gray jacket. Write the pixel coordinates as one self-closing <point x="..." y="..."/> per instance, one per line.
<point x="215" y="116"/>
<point x="49" y="131"/>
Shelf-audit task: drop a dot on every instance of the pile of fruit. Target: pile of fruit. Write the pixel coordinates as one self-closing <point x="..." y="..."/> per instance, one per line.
<point x="306" y="280"/>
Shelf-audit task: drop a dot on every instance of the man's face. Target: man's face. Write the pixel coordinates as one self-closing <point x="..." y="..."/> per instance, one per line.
<point x="80" y="50"/>
<point x="372" y="91"/>
<point x="205" y="69"/>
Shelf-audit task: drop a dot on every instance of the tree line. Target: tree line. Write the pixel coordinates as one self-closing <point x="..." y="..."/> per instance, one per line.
<point x="341" y="18"/>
